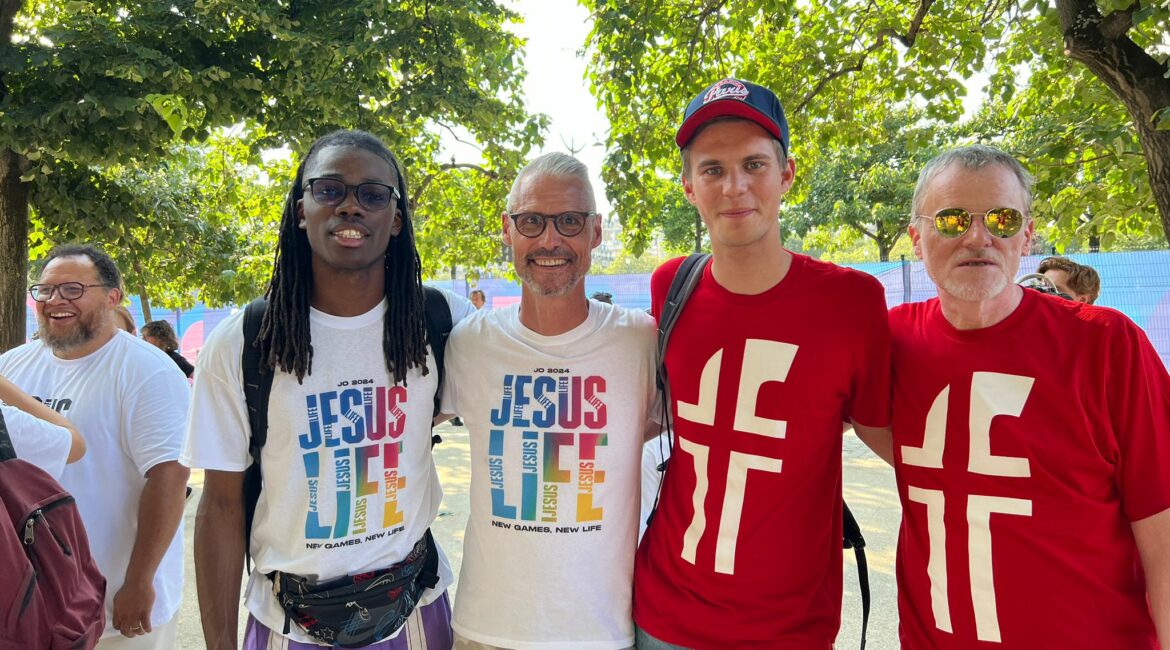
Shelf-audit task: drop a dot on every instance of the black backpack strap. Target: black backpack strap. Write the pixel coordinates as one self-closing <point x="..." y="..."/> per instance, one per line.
<point x="257" y="386"/>
<point x="686" y="278"/>
<point x="855" y="541"/>
<point x="438" y="321"/>
<point x="7" y="451"/>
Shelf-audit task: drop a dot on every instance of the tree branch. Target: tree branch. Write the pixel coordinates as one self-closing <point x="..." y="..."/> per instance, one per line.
<point x="700" y="18"/>
<point x="1084" y="161"/>
<point x="1116" y="24"/>
<point x="861" y="229"/>
<point x="8" y="11"/>
<point x="1129" y="71"/>
<point x="907" y="40"/>
<point x="422" y="187"/>
<point x="458" y="139"/>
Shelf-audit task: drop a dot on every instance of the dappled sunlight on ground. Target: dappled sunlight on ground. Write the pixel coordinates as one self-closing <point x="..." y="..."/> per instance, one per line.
<point x="453" y="462"/>
<point x="868" y="486"/>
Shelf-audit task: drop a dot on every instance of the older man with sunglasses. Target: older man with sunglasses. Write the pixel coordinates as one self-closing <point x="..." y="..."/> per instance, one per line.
<point x="556" y="392"/>
<point x="1031" y="437"/>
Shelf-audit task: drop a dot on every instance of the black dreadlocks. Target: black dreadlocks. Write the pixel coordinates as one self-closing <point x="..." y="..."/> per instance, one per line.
<point x="284" y="339"/>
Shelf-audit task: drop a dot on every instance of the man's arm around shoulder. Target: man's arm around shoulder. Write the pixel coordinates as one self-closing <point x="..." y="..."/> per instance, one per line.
<point x="880" y="440"/>
<point x="219" y="557"/>
<point x="1152" y="535"/>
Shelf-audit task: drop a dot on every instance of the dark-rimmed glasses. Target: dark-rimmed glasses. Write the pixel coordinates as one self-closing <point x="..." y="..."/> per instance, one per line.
<point x="371" y="196"/>
<point x="568" y="224"/>
<point x="67" y="290"/>
<point x="953" y="223"/>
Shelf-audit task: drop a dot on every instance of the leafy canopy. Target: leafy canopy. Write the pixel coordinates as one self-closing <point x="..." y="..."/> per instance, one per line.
<point x="843" y="67"/>
<point x="114" y="108"/>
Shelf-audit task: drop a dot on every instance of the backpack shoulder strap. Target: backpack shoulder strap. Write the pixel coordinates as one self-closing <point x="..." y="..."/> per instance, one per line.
<point x="257" y="381"/>
<point x="438" y="319"/>
<point x="686" y="278"/>
<point x="854" y="540"/>
<point x="7" y="451"/>
<point x="257" y="386"/>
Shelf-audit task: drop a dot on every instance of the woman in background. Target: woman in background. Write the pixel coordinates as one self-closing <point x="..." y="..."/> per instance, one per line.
<point x="161" y="335"/>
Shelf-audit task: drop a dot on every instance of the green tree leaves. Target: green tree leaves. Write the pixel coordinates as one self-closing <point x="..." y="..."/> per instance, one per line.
<point x="841" y="67"/>
<point x="866" y="189"/>
<point x="101" y="100"/>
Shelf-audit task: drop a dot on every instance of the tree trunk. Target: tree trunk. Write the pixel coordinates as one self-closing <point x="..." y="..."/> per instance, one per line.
<point x="144" y="300"/>
<point x="884" y="248"/>
<point x="14" y="243"/>
<point x="1156" y="145"/>
<point x="698" y="232"/>
<point x="143" y="296"/>
<point x="1139" y="80"/>
<point x="8" y="11"/>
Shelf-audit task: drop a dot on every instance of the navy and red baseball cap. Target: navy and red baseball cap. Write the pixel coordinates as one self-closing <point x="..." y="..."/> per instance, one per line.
<point x="734" y="98"/>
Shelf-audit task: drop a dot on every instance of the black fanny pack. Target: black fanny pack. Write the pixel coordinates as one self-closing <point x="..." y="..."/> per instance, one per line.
<point x="359" y="610"/>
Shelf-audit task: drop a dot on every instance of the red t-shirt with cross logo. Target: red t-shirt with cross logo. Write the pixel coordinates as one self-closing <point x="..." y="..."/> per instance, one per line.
<point x="1024" y="450"/>
<point x="746" y="545"/>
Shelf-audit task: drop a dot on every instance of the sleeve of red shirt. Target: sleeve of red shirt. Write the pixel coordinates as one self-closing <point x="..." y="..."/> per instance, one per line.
<point x="869" y="404"/>
<point x="1138" y="393"/>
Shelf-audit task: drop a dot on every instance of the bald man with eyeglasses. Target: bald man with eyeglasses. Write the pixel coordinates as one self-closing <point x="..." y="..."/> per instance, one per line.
<point x="1031" y="439"/>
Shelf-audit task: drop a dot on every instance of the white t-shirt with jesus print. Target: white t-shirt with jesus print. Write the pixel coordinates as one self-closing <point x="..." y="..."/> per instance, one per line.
<point x="349" y="482"/>
<point x="556" y="427"/>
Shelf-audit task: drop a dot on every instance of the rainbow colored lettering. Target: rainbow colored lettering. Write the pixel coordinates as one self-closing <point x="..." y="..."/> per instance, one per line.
<point x="352" y="445"/>
<point x="553" y="417"/>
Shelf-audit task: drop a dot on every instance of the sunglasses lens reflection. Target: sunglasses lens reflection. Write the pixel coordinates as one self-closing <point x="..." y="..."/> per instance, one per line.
<point x="952" y="222"/>
<point x="1000" y="222"/>
<point x="1004" y="222"/>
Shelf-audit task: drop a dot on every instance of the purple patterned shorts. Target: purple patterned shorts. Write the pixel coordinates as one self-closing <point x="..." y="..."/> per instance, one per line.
<point x="427" y="628"/>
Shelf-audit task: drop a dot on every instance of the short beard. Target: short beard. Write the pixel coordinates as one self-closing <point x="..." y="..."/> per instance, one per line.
<point x="529" y="278"/>
<point x="974" y="293"/>
<point x="530" y="282"/>
<point x="85" y="332"/>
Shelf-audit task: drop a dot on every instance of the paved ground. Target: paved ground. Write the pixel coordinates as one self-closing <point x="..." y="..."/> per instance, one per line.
<point x="869" y="489"/>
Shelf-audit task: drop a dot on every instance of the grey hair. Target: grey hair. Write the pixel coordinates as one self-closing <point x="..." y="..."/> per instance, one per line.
<point x="685" y="152"/>
<point x="556" y="165"/>
<point x="973" y="156"/>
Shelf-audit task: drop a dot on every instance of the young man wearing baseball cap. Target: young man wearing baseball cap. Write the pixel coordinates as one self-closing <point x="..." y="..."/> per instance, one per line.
<point x="771" y="354"/>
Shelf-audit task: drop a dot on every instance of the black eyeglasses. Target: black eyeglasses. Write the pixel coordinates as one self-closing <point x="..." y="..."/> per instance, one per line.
<point x="371" y="196"/>
<point x="67" y="290"/>
<point x="569" y="224"/>
<point x="953" y="223"/>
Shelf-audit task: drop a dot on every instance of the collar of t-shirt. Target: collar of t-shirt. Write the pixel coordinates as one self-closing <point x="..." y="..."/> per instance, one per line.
<point x="598" y="311"/>
<point x="318" y="317"/>
<point x="1003" y="328"/>
<point x="89" y="358"/>
<point x="791" y="278"/>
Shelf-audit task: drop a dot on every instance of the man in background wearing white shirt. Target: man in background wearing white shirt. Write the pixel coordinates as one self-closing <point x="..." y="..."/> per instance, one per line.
<point x="131" y="401"/>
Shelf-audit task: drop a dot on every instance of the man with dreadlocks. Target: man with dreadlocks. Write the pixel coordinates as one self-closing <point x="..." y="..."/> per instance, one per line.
<point x="349" y="484"/>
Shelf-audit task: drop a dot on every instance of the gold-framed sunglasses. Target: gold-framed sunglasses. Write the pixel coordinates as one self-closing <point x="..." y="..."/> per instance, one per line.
<point x="953" y="223"/>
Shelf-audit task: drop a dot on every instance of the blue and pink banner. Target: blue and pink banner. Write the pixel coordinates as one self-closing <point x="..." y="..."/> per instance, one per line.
<point x="1135" y="283"/>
